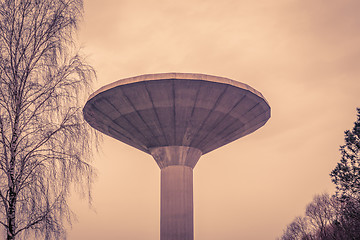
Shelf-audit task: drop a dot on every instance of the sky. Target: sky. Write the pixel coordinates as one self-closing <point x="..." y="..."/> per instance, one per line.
<point x="302" y="55"/>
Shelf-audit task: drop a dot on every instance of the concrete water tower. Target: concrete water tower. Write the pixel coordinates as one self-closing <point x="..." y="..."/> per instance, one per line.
<point x="176" y="117"/>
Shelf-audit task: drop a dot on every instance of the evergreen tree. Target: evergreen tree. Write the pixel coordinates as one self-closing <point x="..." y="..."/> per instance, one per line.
<point x="346" y="175"/>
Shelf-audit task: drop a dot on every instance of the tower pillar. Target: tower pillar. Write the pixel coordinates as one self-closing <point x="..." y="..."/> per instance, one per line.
<point x="177" y="216"/>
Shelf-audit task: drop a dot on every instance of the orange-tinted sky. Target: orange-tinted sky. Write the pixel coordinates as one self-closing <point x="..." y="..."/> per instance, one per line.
<point x="302" y="55"/>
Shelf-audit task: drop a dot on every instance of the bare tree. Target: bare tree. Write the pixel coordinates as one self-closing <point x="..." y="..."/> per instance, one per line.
<point x="336" y="217"/>
<point x="44" y="141"/>
<point x="323" y="213"/>
<point x="297" y="230"/>
<point x="321" y="221"/>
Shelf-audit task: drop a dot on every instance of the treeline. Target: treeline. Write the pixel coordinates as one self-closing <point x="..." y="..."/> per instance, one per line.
<point x="334" y="217"/>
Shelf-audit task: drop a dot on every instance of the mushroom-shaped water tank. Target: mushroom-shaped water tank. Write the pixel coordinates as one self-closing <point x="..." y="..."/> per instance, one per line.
<point x="176" y="117"/>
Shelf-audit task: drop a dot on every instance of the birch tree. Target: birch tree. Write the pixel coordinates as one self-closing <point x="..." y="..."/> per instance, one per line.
<point x="44" y="141"/>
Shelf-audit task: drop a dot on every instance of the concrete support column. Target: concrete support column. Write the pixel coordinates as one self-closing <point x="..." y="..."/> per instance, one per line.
<point x="177" y="218"/>
<point x="176" y="164"/>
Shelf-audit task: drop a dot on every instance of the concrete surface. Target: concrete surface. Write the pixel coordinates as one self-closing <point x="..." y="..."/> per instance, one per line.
<point x="174" y="109"/>
<point x="176" y="211"/>
<point x="175" y="155"/>
<point x="176" y="117"/>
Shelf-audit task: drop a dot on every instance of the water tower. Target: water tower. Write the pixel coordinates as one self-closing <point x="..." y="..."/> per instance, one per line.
<point x="176" y="117"/>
